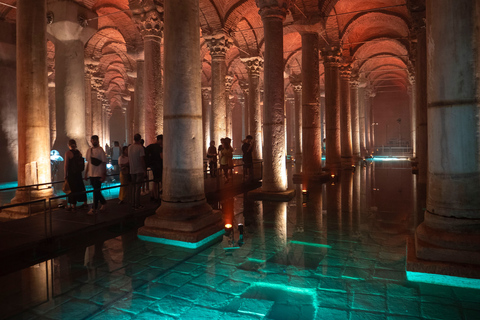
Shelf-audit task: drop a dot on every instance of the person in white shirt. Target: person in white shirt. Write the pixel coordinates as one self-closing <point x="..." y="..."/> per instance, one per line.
<point x="96" y="170"/>
<point x="138" y="170"/>
<point x="116" y="152"/>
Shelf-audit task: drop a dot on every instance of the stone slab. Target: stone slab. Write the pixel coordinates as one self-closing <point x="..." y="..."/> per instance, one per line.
<point x="282" y="196"/>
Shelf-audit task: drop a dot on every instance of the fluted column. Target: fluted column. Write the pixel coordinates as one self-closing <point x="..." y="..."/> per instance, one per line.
<point x="184" y="214"/>
<point x="218" y="45"/>
<point x="355" y="119"/>
<point x="206" y="119"/>
<point x="274" y="176"/>
<point x="228" y="106"/>
<point x="450" y="231"/>
<point x="311" y="127"/>
<point x="32" y="102"/>
<point x="296" y="82"/>
<point x="70" y="31"/>
<point x="331" y="60"/>
<point x="346" y="116"/>
<point x="254" y="66"/>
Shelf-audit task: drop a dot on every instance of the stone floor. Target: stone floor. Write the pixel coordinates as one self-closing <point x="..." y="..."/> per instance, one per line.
<point x="337" y="252"/>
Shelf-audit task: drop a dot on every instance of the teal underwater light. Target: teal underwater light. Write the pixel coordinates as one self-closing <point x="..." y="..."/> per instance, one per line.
<point x="311" y="244"/>
<point x="188" y="245"/>
<point x="443" y="280"/>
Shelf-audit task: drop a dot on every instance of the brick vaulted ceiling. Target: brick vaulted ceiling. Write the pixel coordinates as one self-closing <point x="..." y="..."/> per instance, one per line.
<point x="375" y="36"/>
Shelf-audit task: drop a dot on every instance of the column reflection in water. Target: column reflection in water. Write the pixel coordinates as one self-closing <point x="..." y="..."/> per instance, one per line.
<point x="363" y="193"/>
<point x="357" y="187"/>
<point x="334" y="207"/>
<point x="253" y="217"/>
<point x="346" y="184"/>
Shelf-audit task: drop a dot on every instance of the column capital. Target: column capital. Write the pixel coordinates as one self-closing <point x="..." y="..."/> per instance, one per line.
<point x="355" y="84"/>
<point x="370" y="93"/>
<point x="206" y="91"/>
<point x="273" y="8"/>
<point x="244" y="86"/>
<point x="296" y="82"/>
<point x="332" y="56"/>
<point x="218" y="44"/>
<point x="148" y="16"/>
<point x="254" y="65"/>
<point x="97" y="84"/>
<point x="345" y="72"/>
<point x="228" y="83"/>
<point x="91" y="67"/>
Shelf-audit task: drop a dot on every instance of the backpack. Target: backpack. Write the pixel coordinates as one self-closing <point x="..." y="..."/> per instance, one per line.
<point x="78" y="162"/>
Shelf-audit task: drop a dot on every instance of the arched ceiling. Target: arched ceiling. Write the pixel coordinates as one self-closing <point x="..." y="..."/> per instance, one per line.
<point x="374" y="36"/>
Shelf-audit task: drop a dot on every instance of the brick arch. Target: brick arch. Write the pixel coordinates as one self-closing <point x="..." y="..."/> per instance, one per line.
<point x="210" y="17"/>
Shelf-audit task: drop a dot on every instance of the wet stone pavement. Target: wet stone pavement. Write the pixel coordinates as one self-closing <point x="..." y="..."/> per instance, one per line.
<point x="336" y="253"/>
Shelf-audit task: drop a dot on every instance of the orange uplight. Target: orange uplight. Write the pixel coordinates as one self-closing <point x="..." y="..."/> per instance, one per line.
<point x="304" y="191"/>
<point x="228" y="226"/>
<point x="333" y="176"/>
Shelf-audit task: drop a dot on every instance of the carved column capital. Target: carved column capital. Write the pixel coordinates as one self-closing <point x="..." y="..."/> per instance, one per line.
<point x="244" y="86"/>
<point x="296" y="82"/>
<point x="218" y="44"/>
<point x="254" y="65"/>
<point x="355" y="84"/>
<point x="91" y="67"/>
<point x="149" y="17"/>
<point x="97" y="83"/>
<point x="273" y="8"/>
<point x="345" y="72"/>
<point x="206" y="91"/>
<point x="332" y="56"/>
<point x="228" y="83"/>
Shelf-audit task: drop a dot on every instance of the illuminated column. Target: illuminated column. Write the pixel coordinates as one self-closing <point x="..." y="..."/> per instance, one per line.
<point x="355" y="119"/>
<point x="97" y="83"/>
<point x="139" y="121"/>
<point x="130" y="113"/>
<point x="371" y="95"/>
<point x="254" y="66"/>
<point x="70" y="31"/>
<point x="149" y="19"/>
<point x="450" y="231"/>
<point x="228" y="106"/>
<point x="290" y="124"/>
<point x="218" y="45"/>
<point x="51" y="111"/>
<point x="184" y="214"/>
<point x="421" y="101"/>
<point x="108" y="116"/>
<point x="362" y="121"/>
<point x="274" y="175"/>
<point x="206" y="120"/>
<point x="311" y="128"/>
<point x="32" y="102"/>
<point x="297" y="91"/>
<point x="91" y="67"/>
<point x="246" y="111"/>
<point x="346" y="116"/>
<point x="331" y="60"/>
<point x="413" y="117"/>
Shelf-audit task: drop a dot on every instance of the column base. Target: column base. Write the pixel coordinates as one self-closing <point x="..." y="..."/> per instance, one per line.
<point x="25" y="211"/>
<point x="185" y="222"/>
<point x="437" y="272"/>
<point x="282" y="196"/>
<point x="435" y="245"/>
<point x="302" y="177"/>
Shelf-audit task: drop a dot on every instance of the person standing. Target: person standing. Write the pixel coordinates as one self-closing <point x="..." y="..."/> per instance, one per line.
<point x="138" y="170"/>
<point x="97" y="172"/>
<point x="226" y="158"/>
<point x="155" y="159"/>
<point x="212" y="158"/>
<point x="116" y="152"/>
<point x="74" y="166"/>
<point x="124" y="175"/>
<point x="247" y="149"/>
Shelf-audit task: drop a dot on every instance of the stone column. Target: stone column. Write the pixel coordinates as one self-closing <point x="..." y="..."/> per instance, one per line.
<point x="311" y="127"/>
<point x="413" y="117"/>
<point x="91" y="67"/>
<point x="331" y="60"/>
<point x="421" y="102"/>
<point x="296" y="82"/>
<point x="290" y="124"/>
<point x="346" y="116"/>
<point x="450" y="231"/>
<point x="184" y="214"/>
<point x="139" y="121"/>
<point x="206" y="120"/>
<point x="130" y="118"/>
<point x="246" y="111"/>
<point x="254" y="66"/>
<point x="362" y="121"/>
<point x="70" y="31"/>
<point x="274" y="175"/>
<point x="228" y="107"/>
<point x="149" y="19"/>
<point x="97" y="90"/>
<point x="52" y="111"/>
<point x="32" y="103"/>
<point x="373" y="124"/>
<point x="218" y="45"/>
<point x="368" y="121"/>
<point x="355" y="119"/>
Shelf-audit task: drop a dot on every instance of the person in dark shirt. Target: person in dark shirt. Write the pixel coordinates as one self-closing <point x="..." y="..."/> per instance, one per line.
<point x="154" y="154"/>
<point x="247" y="149"/>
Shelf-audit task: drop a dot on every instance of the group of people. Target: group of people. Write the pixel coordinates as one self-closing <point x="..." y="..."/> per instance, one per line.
<point x="225" y="153"/>
<point x="132" y="162"/>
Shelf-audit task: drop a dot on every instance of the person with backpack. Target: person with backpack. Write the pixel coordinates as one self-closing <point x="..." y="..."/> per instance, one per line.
<point x="74" y="166"/>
